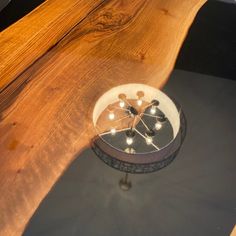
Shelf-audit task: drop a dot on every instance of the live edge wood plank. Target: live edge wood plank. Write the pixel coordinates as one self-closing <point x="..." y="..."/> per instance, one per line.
<point x="46" y="107"/>
<point x="29" y="38"/>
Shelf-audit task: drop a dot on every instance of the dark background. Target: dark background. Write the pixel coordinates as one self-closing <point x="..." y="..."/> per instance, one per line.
<point x="210" y="46"/>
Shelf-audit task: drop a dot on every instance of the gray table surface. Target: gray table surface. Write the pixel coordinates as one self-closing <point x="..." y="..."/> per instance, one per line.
<point x="195" y="195"/>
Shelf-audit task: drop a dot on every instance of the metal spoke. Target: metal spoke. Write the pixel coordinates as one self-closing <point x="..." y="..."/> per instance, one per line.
<point x="150" y="115"/>
<point x="126" y="101"/>
<point x="134" y="120"/>
<point x="150" y="104"/>
<point x="144" y="123"/>
<point x="119" y="130"/>
<point x="119" y="108"/>
<point x="155" y="146"/>
<point x="122" y="118"/>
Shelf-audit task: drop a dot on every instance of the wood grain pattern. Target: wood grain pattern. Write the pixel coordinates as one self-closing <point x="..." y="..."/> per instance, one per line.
<point x="29" y="38"/>
<point x="46" y="112"/>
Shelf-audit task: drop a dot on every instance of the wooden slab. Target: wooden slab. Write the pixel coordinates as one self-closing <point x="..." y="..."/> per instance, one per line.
<point x="46" y="108"/>
<point x="29" y="38"/>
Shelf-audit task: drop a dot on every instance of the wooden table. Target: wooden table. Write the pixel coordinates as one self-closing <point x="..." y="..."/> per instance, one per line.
<point x="55" y="63"/>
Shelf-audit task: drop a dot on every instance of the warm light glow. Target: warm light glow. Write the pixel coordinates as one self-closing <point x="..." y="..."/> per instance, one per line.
<point x="149" y="140"/>
<point x="158" y="125"/>
<point x="136" y="119"/>
<point x="122" y="104"/>
<point x="129" y="140"/>
<point x="111" y="116"/>
<point x="139" y="102"/>
<point x="113" y="131"/>
<point x="130" y="150"/>
<point x="153" y="110"/>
